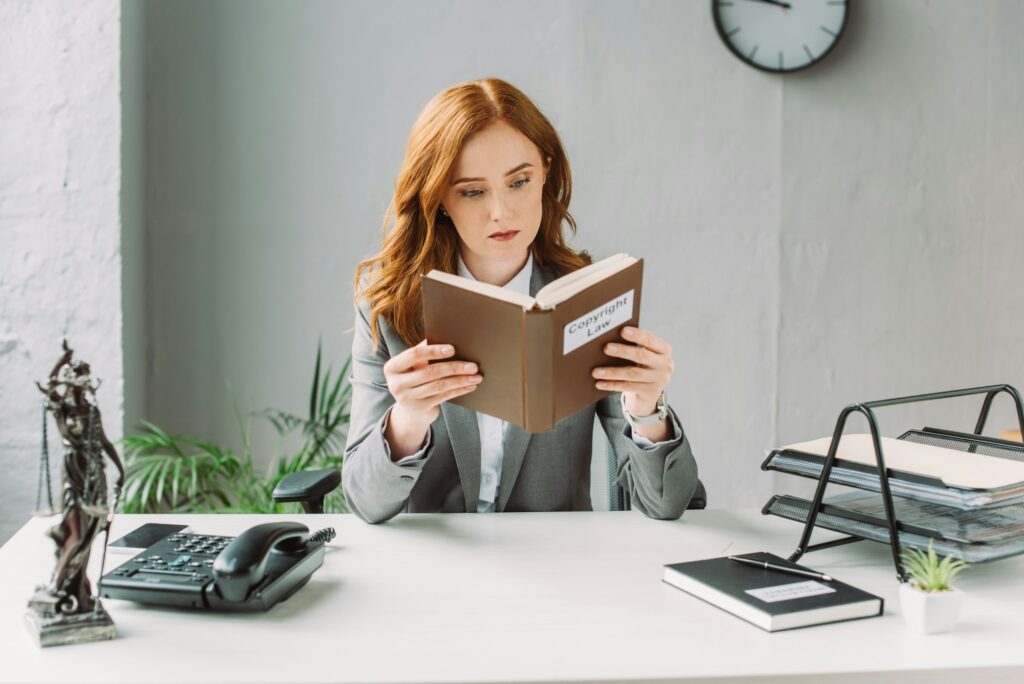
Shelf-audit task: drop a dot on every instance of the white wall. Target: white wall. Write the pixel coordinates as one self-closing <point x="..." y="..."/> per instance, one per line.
<point x="840" y="235"/>
<point x="60" y="261"/>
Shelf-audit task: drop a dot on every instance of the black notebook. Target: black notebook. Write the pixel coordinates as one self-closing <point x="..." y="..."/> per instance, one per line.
<point x="771" y="599"/>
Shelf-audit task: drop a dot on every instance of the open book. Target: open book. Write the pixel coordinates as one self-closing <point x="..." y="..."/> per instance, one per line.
<point x="536" y="354"/>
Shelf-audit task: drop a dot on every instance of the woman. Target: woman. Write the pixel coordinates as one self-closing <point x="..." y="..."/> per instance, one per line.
<point x="484" y="192"/>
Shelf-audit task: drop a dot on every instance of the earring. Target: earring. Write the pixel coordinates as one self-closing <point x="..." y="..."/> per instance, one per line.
<point x="443" y="212"/>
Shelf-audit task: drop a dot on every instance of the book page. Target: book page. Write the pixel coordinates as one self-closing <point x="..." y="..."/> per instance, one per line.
<point x="559" y="290"/>
<point x="486" y="289"/>
<point x="955" y="468"/>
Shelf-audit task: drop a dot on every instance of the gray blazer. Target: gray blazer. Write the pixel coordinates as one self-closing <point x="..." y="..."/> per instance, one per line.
<point x="547" y="471"/>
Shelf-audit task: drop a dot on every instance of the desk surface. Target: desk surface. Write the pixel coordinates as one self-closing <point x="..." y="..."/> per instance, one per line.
<point x="517" y="597"/>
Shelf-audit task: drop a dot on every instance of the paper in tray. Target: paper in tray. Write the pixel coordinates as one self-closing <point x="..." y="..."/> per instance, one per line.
<point x="1002" y="460"/>
<point x="974" y="536"/>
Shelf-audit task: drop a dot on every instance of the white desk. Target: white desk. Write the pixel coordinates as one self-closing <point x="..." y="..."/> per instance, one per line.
<point x="518" y="597"/>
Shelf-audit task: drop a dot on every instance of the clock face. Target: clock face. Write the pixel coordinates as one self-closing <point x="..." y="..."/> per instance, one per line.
<point x="780" y="35"/>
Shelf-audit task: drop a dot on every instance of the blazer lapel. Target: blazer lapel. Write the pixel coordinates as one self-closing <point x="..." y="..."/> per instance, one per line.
<point x="538" y="279"/>
<point x="516" y="438"/>
<point x="465" y="438"/>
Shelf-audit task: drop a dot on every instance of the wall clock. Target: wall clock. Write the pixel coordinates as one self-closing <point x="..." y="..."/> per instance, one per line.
<point x="780" y="36"/>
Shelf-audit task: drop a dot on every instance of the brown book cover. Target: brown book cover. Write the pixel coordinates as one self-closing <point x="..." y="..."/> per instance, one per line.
<point x="535" y="358"/>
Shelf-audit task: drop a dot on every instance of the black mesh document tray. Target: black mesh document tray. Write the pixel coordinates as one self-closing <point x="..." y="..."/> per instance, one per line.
<point x="911" y="509"/>
<point x="911" y="485"/>
<point x="972" y="536"/>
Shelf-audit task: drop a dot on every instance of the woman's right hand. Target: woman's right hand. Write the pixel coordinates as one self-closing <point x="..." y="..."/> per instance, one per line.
<point x="419" y="387"/>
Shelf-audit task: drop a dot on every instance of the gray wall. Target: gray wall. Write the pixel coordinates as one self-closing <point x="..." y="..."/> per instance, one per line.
<point x="903" y="215"/>
<point x="843" y="234"/>
<point x="133" y="209"/>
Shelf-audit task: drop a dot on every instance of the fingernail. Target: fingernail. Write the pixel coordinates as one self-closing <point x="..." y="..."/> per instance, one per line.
<point x="475" y="378"/>
<point x="447" y="349"/>
<point x="599" y="372"/>
<point x="469" y="367"/>
<point x="627" y="332"/>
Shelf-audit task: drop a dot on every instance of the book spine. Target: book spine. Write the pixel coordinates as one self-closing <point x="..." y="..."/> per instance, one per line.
<point x="538" y="370"/>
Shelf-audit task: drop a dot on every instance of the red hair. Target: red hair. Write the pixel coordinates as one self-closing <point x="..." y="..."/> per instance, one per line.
<point x="416" y="238"/>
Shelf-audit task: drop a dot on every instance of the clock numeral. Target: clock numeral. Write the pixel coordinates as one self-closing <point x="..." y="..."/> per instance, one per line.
<point x="829" y="32"/>
<point x="734" y="31"/>
<point x="780" y="60"/>
<point x="753" y="52"/>
<point x="808" y="51"/>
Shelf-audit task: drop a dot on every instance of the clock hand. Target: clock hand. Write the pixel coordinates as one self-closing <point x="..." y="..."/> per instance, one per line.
<point x="784" y="5"/>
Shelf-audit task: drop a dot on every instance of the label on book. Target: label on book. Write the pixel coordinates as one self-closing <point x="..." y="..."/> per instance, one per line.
<point x="593" y="324"/>
<point x="787" y="592"/>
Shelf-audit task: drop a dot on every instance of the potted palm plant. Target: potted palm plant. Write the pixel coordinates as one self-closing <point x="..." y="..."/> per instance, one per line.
<point x="929" y="601"/>
<point x="178" y="474"/>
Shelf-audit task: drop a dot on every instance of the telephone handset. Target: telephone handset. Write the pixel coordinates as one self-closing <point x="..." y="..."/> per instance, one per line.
<point x="261" y="567"/>
<point x="243" y="563"/>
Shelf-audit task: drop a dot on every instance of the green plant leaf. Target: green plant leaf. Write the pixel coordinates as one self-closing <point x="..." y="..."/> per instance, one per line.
<point x="176" y="481"/>
<point x="167" y="472"/>
<point x="316" y="381"/>
<point x="928" y="572"/>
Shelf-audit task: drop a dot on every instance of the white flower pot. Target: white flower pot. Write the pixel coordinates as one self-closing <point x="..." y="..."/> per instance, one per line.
<point x="930" y="612"/>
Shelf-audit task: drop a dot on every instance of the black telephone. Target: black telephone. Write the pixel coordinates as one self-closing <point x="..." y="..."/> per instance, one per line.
<point x="252" y="572"/>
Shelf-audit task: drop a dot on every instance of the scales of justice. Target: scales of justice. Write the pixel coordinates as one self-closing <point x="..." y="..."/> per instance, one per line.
<point x="65" y="610"/>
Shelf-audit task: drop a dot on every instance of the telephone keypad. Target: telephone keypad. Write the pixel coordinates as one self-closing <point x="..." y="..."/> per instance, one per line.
<point x="181" y="560"/>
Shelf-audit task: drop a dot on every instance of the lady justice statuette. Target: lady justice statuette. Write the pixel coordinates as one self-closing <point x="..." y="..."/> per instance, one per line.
<point x="64" y="610"/>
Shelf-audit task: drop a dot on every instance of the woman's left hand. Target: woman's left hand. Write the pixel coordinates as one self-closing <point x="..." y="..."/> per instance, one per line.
<point x="643" y="381"/>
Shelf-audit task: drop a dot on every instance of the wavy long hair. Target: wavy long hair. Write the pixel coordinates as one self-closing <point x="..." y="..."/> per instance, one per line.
<point x="417" y="237"/>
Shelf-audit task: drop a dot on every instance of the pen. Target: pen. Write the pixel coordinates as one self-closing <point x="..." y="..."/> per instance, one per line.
<point x="781" y="568"/>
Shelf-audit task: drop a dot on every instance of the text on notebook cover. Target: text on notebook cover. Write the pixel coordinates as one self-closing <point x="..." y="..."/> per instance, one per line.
<point x="786" y="592"/>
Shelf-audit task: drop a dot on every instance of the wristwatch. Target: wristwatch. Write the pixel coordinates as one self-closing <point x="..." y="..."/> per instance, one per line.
<point x="660" y="412"/>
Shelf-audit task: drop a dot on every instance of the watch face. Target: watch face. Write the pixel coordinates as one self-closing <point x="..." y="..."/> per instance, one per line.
<point x="780" y="35"/>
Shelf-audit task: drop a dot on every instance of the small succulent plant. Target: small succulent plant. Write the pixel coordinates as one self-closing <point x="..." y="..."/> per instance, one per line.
<point x="927" y="572"/>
